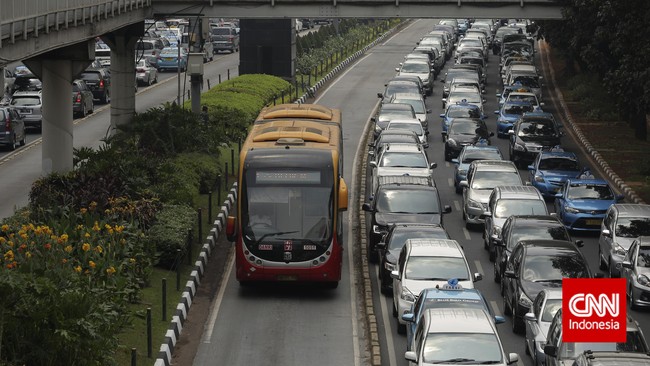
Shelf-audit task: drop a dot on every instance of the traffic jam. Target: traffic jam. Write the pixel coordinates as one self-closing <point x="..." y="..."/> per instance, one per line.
<point x="518" y="183"/>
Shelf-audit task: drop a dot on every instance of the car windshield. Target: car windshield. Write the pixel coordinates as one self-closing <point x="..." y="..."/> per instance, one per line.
<point x="472" y="61"/>
<point x="537" y="129"/>
<point x="540" y="232"/>
<point x="563" y="164"/>
<point x="484" y="154"/>
<point x="486" y="179"/>
<point x="417" y="104"/>
<point x="633" y="227"/>
<point x="634" y="343"/>
<point x="643" y="257"/>
<point x="436" y="268"/>
<point x="415" y="67"/>
<point x="471" y="42"/>
<point x="541" y="268"/>
<point x="464" y="128"/>
<point x="463" y="112"/>
<point x="590" y="192"/>
<point x="398" y="237"/>
<point x="401" y="88"/>
<point x="473" y="98"/>
<point x="408" y="201"/>
<point x="529" y="81"/>
<point x="397" y="113"/>
<point x="415" y="127"/>
<point x="403" y="159"/>
<point x="221" y="31"/>
<point x="524" y="98"/>
<point x="389" y="139"/>
<point x="506" y="208"/>
<point x="144" y="46"/>
<point x="517" y="108"/>
<point x="551" y="307"/>
<point x="25" y="101"/>
<point x="441" y="348"/>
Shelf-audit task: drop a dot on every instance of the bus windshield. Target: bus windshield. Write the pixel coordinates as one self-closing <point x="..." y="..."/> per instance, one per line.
<point x="287" y="205"/>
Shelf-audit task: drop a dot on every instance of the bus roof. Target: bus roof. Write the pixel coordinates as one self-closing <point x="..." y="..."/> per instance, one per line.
<point x="293" y="110"/>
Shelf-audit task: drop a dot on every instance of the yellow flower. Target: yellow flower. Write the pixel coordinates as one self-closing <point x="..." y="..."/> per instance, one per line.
<point x="132" y="260"/>
<point x="10" y="243"/>
<point x="9" y="256"/>
<point x="110" y="270"/>
<point x="96" y="226"/>
<point x="64" y="261"/>
<point x="28" y="255"/>
<point x="80" y="227"/>
<point x="77" y="269"/>
<point x="91" y="264"/>
<point x="92" y="205"/>
<point x="38" y="230"/>
<point x="87" y="235"/>
<point x="85" y="247"/>
<point x="23" y="235"/>
<point x="2" y="240"/>
<point x="119" y="228"/>
<point x="68" y="249"/>
<point x="122" y="241"/>
<point x="99" y="249"/>
<point x="64" y="237"/>
<point x="5" y="227"/>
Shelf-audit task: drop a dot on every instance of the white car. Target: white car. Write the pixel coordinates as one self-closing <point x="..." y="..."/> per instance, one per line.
<point x="417" y="101"/>
<point x="461" y="336"/>
<point x="425" y="263"/>
<point x="419" y="68"/>
<point x="409" y="124"/>
<point x="401" y="159"/>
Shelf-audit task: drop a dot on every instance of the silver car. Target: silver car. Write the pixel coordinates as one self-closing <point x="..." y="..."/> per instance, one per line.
<point x="401" y="159"/>
<point x="482" y="177"/>
<point x="28" y="104"/>
<point x="545" y="305"/>
<point x="636" y="270"/>
<point x="417" y="101"/>
<point x="623" y="223"/>
<point x="420" y="68"/>
<point x="145" y="73"/>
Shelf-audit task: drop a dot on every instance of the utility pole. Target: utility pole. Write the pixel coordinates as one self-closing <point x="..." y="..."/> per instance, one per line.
<point x="196" y="58"/>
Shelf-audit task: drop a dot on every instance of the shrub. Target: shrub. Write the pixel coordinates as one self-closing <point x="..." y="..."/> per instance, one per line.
<point x="169" y="233"/>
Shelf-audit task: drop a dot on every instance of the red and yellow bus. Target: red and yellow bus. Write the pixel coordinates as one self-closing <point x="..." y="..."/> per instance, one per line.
<point x="291" y="195"/>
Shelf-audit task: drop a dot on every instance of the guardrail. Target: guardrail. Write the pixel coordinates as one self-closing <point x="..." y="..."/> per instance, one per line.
<point x="22" y="19"/>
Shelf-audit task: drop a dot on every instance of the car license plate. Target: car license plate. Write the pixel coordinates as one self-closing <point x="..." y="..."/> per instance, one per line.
<point x="593" y="222"/>
<point x="26" y="111"/>
<point x="287" y="278"/>
<point x="168" y="59"/>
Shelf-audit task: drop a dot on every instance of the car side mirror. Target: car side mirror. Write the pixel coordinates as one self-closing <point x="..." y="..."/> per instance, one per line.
<point x="447" y="209"/>
<point x="444" y="100"/>
<point x="408" y="317"/>
<point x="541" y="104"/>
<point x="513" y="358"/>
<point x="442" y="115"/>
<point x="530" y="317"/>
<point x="498" y="319"/>
<point x="394" y="274"/>
<point x="498" y="95"/>
<point x="626" y="264"/>
<point x="619" y="197"/>
<point x="510" y="273"/>
<point x="397" y="69"/>
<point x="550" y="350"/>
<point x="433" y="165"/>
<point x="496" y="112"/>
<point x="366" y="207"/>
<point x="531" y="167"/>
<point x="454" y="161"/>
<point x="463" y="184"/>
<point x="606" y="233"/>
<point x="373" y="119"/>
<point x="380" y="95"/>
<point x="411" y="356"/>
<point x="381" y="244"/>
<point x="558" y="195"/>
<point x="373" y="164"/>
<point x="484" y="100"/>
<point x="580" y="243"/>
<point x="477" y="277"/>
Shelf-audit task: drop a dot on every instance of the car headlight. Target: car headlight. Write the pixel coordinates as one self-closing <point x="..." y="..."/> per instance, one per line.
<point x="377" y="229"/>
<point x="619" y="250"/>
<point x="540" y="345"/>
<point x="539" y="178"/>
<point x="496" y="230"/>
<point x="389" y="266"/>
<point x="377" y="128"/>
<point x="525" y="301"/>
<point x="570" y="209"/>
<point x="474" y="204"/>
<point x="407" y="295"/>
<point x="520" y="147"/>
<point x="452" y="142"/>
<point x="643" y="280"/>
<point x="462" y="171"/>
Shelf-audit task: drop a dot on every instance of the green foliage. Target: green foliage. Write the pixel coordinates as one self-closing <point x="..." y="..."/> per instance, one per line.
<point x="267" y="87"/>
<point x="182" y="178"/>
<point x="589" y="91"/>
<point x="170" y="232"/>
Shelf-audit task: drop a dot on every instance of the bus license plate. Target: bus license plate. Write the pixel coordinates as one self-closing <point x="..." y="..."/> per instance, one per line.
<point x="593" y="222"/>
<point x="287" y="278"/>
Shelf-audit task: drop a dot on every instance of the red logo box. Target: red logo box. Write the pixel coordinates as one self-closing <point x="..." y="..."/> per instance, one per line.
<point x="593" y="310"/>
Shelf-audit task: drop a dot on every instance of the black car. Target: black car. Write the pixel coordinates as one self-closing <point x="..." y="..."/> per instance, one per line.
<point x="524" y="227"/>
<point x="12" y="128"/>
<point x="407" y="202"/>
<point x="529" y="136"/>
<point x="391" y="136"/>
<point x="391" y="245"/>
<point x="82" y="99"/>
<point x="26" y="82"/>
<point x="533" y="266"/>
<point x="463" y="132"/>
<point x="99" y="83"/>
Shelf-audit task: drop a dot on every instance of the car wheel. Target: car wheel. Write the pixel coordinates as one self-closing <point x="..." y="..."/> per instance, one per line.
<point x="12" y="145"/>
<point x="155" y="78"/>
<point x="22" y="142"/>
<point x="630" y="299"/>
<point x="84" y="112"/>
<point x="601" y="262"/>
<point x="517" y="323"/>
<point x="149" y="81"/>
<point x="611" y="269"/>
<point x="106" y="98"/>
<point x="459" y="190"/>
<point x="373" y="257"/>
<point x="492" y="255"/>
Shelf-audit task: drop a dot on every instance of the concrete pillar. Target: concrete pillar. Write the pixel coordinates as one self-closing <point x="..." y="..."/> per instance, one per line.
<point x="122" y="43"/>
<point x="57" y="116"/>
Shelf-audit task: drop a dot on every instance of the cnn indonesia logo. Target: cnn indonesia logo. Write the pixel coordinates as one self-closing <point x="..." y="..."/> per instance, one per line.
<point x="593" y="310"/>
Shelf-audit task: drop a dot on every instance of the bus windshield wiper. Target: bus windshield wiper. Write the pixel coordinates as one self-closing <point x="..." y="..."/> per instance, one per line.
<point x="273" y="234"/>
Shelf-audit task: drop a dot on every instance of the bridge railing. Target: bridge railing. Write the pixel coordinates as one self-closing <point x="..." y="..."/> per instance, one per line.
<point x="22" y="19"/>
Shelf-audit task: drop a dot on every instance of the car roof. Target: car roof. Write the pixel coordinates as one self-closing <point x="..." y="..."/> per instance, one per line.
<point x="488" y="147"/>
<point x="608" y="358"/>
<point x="416" y="62"/>
<point x="558" y="154"/>
<point x="414" y="226"/>
<point x="27" y="93"/>
<point x="435" y="247"/>
<point x="518" y="192"/>
<point x="553" y="293"/>
<point x="407" y="96"/>
<point x="397" y="131"/>
<point x="533" y="220"/>
<point x="403" y="147"/>
<point x="496" y="165"/>
<point x="395" y="106"/>
<point x="632" y="209"/>
<point x="463" y="320"/>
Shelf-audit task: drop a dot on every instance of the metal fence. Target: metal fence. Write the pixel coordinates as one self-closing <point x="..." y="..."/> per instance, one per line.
<point x="22" y="19"/>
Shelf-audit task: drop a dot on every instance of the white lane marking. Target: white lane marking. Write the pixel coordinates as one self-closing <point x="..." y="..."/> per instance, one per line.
<point x="496" y="308"/>
<point x="457" y="205"/>
<point x="479" y="267"/>
<point x="214" y="312"/>
<point x="387" y="323"/>
<point x="450" y="182"/>
<point x="338" y="78"/>
<point x="467" y="235"/>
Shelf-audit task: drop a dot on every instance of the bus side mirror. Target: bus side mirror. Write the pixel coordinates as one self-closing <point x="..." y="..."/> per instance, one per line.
<point x="230" y="228"/>
<point x="343" y="195"/>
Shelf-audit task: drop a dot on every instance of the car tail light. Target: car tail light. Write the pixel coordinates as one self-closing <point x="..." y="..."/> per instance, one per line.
<point x="78" y="98"/>
<point x="101" y="83"/>
<point x="139" y="70"/>
<point x="7" y="124"/>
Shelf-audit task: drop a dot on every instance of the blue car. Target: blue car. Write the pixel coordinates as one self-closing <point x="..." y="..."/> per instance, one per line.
<point x="509" y="114"/>
<point x="448" y="296"/>
<point x="467" y="155"/>
<point x="459" y="110"/>
<point x="551" y="169"/>
<point x="501" y="97"/>
<point x="581" y="204"/>
<point x="168" y="59"/>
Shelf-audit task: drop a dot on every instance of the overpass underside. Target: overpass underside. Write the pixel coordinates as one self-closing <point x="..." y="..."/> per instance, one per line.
<point x="525" y="9"/>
